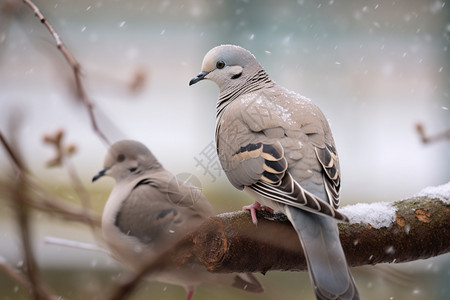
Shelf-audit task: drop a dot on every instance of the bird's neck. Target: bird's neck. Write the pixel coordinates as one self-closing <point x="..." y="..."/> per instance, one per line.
<point x="253" y="83"/>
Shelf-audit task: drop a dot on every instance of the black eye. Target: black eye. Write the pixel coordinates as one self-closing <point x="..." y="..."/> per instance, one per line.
<point x="120" y="158"/>
<point x="132" y="170"/>
<point x="220" y="64"/>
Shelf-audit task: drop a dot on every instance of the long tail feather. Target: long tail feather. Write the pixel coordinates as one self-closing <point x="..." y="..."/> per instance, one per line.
<point x="326" y="261"/>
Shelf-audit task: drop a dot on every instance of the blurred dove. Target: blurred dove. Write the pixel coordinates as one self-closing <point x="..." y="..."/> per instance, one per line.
<point x="150" y="209"/>
<point x="277" y="146"/>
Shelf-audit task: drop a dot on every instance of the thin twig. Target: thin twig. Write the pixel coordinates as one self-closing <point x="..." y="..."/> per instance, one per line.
<point x="62" y="158"/>
<point x="74" y="244"/>
<point x="81" y="92"/>
<point x="23" y="223"/>
<point x="46" y="201"/>
<point x="14" y="274"/>
<point x="19" y="201"/>
<point x="80" y="190"/>
<point x="16" y="160"/>
<point x="428" y="139"/>
<point x="167" y="258"/>
<point x="43" y="199"/>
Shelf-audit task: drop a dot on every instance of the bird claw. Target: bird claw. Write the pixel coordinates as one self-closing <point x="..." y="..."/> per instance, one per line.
<point x="190" y="294"/>
<point x="253" y="208"/>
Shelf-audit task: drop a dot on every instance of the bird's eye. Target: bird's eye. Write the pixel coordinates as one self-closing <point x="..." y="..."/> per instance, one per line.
<point x="132" y="170"/>
<point x="120" y="158"/>
<point x="220" y="64"/>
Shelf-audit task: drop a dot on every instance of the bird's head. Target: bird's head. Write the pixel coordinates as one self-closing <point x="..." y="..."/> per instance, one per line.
<point x="127" y="158"/>
<point x="227" y="64"/>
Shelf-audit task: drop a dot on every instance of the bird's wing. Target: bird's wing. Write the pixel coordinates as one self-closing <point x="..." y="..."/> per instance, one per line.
<point x="282" y="150"/>
<point x="327" y="156"/>
<point x="157" y="211"/>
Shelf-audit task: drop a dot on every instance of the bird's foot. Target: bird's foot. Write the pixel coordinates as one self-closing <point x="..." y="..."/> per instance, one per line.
<point x="266" y="208"/>
<point x="253" y="208"/>
<point x="190" y="294"/>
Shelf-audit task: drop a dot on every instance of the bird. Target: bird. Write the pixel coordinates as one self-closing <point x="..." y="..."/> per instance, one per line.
<point x="276" y="145"/>
<point x="149" y="209"/>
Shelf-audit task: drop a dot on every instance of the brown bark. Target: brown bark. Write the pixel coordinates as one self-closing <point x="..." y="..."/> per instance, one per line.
<point x="231" y="243"/>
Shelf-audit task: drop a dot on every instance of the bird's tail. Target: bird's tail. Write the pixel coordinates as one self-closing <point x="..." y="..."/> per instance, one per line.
<point x="328" y="269"/>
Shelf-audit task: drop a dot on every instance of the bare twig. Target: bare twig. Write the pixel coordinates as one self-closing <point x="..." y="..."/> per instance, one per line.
<point x="81" y="92"/>
<point x="23" y="223"/>
<point x="138" y="80"/>
<point x="74" y="244"/>
<point x="19" y="201"/>
<point x="42" y="199"/>
<point x="46" y="201"/>
<point x="14" y="274"/>
<point x="14" y="157"/>
<point x="82" y="193"/>
<point x="428" y="139"/>
<point x="62" y="158"/>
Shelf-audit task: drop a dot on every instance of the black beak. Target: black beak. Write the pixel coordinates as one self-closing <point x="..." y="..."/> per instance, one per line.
<point x="197" y="78"/>
<point x="100" y="174"/>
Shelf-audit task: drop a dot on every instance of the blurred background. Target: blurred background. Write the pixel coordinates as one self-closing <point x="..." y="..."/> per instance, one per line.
<point x="375" y="68"/>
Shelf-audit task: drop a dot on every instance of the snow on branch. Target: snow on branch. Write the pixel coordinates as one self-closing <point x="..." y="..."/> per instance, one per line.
<point x="419" y="228"/>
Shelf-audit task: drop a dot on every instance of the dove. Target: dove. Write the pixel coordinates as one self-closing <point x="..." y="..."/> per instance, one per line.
<point x="277" y="146"/>
<point x="148" y="210"/>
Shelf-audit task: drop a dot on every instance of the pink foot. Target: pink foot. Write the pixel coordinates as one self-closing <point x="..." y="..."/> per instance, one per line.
<point x="190" y="294"/>
<point x="266" y="208"/>
<point x="253" y="208"/>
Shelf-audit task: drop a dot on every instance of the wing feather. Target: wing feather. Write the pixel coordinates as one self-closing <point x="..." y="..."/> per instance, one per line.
<point x="161" y="208"/>
<point x="263" y="168"/>
<point x="328" y="158"/>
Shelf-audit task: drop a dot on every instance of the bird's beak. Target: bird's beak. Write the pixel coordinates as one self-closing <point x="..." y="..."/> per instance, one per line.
<point x="100" y="174"/>
<point x="197" y="78"/>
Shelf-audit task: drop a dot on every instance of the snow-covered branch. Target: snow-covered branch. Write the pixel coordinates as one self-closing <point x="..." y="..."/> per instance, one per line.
<point x="412" y="229"/>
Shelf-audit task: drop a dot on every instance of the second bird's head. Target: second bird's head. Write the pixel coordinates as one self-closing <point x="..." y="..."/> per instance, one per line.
<point x="127" y="158"/>
<point x="227" y="64"/>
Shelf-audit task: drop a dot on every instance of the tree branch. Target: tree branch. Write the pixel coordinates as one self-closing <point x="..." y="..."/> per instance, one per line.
<point x="416" y="228"/>
<point x="81" y="92"/>
<point x="14" y="274"/>
<point x="428" y="139"/>
<point x="420" y="230"/>
<point x="19" y="202"/>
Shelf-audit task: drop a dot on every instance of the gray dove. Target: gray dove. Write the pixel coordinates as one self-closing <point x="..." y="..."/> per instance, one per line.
<point x="277" y="146"/>
<point x="148" y="210"/>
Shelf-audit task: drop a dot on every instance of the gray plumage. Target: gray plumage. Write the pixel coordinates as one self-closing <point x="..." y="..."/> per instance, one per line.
<point x="278" y="146"/>
<point x="148" y="210"/>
